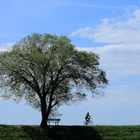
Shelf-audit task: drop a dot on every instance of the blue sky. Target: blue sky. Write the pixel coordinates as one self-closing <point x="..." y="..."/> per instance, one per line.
<point x="107" y="27"/>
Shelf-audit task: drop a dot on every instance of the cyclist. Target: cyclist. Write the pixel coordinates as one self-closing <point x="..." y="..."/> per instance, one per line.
<point x="87" y="118"/>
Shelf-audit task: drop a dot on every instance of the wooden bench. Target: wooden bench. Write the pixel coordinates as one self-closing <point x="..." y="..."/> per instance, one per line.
<point x="54" y="121"/>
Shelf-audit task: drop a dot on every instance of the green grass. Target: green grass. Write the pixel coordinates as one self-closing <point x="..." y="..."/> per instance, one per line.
<point x="8" y="132"/>
<point x="22" y="133"/>
<point x="119" y="132"/>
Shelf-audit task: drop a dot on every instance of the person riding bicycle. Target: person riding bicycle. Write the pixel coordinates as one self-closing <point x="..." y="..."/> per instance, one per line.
<point x="87" y="118"/>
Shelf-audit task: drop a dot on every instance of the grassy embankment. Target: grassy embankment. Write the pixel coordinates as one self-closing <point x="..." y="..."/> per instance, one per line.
<point x="70" y="133"/>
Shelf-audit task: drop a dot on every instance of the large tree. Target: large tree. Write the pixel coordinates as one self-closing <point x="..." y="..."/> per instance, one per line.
<point x="48" y="71"/>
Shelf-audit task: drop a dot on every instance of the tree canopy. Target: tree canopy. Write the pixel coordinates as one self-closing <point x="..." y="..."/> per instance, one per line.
<point x="49" y="71"/>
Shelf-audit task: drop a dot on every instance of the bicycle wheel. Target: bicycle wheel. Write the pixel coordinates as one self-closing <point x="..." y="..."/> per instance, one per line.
<point x="85" y="123"/>
<point x="90" y="122"/>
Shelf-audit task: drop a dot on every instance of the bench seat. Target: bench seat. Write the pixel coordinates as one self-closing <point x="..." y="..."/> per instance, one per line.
<point x="53" y="121"/>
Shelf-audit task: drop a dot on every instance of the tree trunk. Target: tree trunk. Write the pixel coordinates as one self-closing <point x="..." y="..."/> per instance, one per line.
<point x="43" y="123"/>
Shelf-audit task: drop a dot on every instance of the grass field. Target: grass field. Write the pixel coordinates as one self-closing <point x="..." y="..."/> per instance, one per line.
<point x="8" y="132"/>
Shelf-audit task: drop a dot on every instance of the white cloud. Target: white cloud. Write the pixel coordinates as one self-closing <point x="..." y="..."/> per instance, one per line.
<point x="118" y="63"/>
<point x="113" y="47"/>
<point x="6" y="46"/>
<point x="115" y="30"/>
<point x="86" y="32"/>
<point x="121" y="55"/>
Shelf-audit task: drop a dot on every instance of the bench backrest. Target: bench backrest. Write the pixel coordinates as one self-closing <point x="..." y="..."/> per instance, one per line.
<point x="53" y="119"/>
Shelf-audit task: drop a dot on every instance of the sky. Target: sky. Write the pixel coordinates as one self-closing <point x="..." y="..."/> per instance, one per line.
<point x="107" y="27"/>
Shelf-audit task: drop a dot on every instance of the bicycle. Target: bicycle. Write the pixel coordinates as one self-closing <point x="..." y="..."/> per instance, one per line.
<point x="88" y="123"/>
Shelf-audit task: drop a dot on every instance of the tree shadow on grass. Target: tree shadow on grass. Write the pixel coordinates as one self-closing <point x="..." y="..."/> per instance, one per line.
<point x="62" y="133"/>
<point x="36" y="133"/>
<point x="75" y="133"/>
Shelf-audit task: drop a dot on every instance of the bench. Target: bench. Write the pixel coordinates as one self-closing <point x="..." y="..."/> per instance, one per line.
<point x="54" y="121"/>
